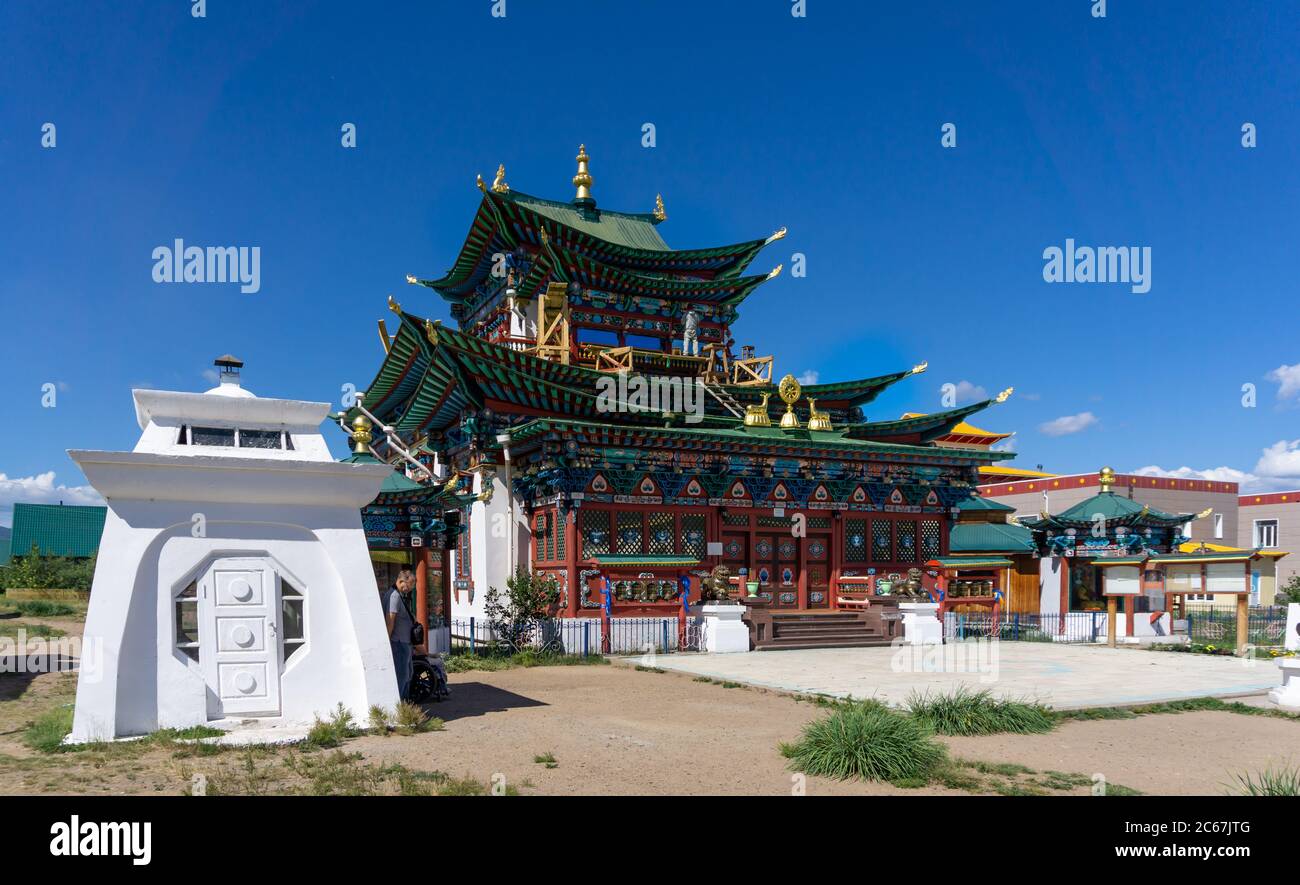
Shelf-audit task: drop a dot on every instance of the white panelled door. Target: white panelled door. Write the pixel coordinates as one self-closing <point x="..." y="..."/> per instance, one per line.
<point x="243" y="673"/>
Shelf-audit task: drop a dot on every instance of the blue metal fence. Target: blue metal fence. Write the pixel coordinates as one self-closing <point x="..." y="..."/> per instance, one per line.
<point x="1025" y="627"/>
<point x="576" y="636"/>
<point x="1265" y="625"/>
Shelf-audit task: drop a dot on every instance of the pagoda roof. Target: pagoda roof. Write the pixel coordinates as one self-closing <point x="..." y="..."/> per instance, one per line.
<point x="979" y="504"/>
<point x="554" y="263"/>
<point x="1114" y="509"/>
<point x="922" y="428"/>
<point x="967" y="433"/>
<point x="432" y="374"/>
<point x="990" y="537"/>
<point x="753" y="440"/>
<point x="630" y="241"/>
<point x="398" y="488"/>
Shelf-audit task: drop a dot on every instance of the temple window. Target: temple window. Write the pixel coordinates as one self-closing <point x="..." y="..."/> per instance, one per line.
<point x="293" y="622"/>
<point x="693" y="538"/>
<point x="187" y="620"/>
<point x="855" y="540"/>
<point x="882" y="540"/>
<point x="661" y="533"/>
<point x="595" y="532"/>
<point x="629" y="539"/>
<point x="906" y="537"/>
<point x="230" y="437"/>
<point x="931" y="530"/>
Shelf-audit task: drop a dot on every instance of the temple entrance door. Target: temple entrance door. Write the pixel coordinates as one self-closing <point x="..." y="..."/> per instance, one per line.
<point x="817" y="570"/>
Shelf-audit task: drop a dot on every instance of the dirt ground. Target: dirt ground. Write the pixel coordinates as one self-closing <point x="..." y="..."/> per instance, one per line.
<point x="614" y="730"/>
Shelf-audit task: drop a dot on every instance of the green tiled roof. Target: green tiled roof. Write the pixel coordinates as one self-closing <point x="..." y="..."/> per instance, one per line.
<point x="1115" y="509"/>
<point x="972" y="562"/>
<point x="57" y="529"/>
<point x="631" y="560"/>
<point x="990" y="537"/>
<point x="635" y="231"/>
<point x="978" y="504"/>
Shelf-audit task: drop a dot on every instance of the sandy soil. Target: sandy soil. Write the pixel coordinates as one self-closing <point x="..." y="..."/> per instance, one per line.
<point x="614" y="730"/>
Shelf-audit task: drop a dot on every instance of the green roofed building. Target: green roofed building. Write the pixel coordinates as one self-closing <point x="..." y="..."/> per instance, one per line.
<point x="57" y="529"/>
<point x="602" y="426"/>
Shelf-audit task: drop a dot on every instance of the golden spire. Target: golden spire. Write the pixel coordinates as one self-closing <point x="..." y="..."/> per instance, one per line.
<point x="499" y="185"/>
<point x="583" y="180"/>
<point x="1106" y="478"/>
<point x="660" y="214"/>
<point x="361" y="435"/>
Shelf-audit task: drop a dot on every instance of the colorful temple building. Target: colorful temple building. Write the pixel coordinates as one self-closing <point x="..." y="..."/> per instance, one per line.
<point x="590" y="417"/>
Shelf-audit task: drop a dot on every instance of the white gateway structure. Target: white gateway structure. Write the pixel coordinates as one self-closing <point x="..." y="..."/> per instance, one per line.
<point x="233" y="580"/>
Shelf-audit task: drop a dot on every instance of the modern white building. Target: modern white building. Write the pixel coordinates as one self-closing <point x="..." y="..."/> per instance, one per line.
<point x="233" y="580"/>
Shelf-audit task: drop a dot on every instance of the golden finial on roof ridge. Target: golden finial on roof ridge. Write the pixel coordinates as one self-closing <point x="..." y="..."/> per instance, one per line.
<point x="660" y="214"/>
<point x="543" y="235"/>
<point x="1106" y="478"/>
<point x="775" y="272"/>
<point x="410" y="278"/>
<point x="920" y="367"/>
<point x="789" y="391"/>
<point x="499" y="183"/>
<point x="780" y="234"/>
<point x="394" y="306"/>
<point x="478" y="183"/>
<point x="1004" y="395"/>
<point x="1204" y="513"/>
<point x="431" y="331"/>
<point x="583" y="180"/>
<point x="361" y="435"/>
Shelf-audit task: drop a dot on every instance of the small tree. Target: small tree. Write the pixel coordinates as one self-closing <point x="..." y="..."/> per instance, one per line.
<point x="1290" y="591"/>
<point x="528" y="600"/>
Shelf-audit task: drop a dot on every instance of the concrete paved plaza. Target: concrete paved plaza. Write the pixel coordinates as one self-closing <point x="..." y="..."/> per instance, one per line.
<point x="1063" y="676"/>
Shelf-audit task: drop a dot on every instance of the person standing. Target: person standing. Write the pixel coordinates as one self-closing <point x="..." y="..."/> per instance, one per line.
<point x="691" y="333"/>
<point x="397" y="614"/>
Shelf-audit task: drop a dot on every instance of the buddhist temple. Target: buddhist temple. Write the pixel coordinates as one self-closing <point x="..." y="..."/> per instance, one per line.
<point x="591" y="417"/>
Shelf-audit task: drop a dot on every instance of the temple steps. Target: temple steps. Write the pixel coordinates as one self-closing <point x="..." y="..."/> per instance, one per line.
<point x="831" y="629"/>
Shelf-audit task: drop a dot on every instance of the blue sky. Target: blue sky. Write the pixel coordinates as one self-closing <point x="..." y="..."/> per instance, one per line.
<point x="1115" y="131"/>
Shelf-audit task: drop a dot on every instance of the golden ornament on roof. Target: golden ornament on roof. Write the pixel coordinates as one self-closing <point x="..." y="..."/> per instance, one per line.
<point x="583" y="180"/>
<point x="361" y="434"/>
<point x="410" y="278"/>
<point x="1004" y="395"/>
<point x="756" y="414"/>
<point x="660" y="214"/>
<point x="394" y="306"/>
<point x="478" y="183"/>
<point x="789" y="391"/>
<point x="499" y="185"/>
<point x="818" y="420"/>
<point x="1106" y="478"/>
<point x="920" y="367"/>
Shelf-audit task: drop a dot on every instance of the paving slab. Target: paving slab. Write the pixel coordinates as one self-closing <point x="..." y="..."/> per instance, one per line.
<point x="1064" y="676"/>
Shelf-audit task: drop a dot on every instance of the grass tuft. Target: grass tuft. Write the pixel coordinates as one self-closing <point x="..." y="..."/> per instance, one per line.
<point x="47" y="732"/>
<point x="966" y="712"/>
<point x="1272" y="781"/>
<point x="868" y="741"/>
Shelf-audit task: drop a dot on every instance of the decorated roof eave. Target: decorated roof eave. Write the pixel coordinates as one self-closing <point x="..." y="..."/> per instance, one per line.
<point x="743" y="439"/>
<point x="555" y="263"/>
<point x="489" y="222"/>
<point x="928" y="427"/>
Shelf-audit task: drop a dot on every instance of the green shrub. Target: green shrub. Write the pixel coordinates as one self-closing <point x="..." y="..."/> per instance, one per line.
<point x="327" y="733"/>
<point x="968" y="712"/>
<point x="40" y="608"/>
<point x="46" y="734"/>
<point x="868" y="741"/>
<point x="47" y="572"/>
<point x="1279" y="781"/>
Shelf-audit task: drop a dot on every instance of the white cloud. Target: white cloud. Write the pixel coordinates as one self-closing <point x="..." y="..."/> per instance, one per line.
<point x="40" y="489"/>
<point x="1006" y="445"/>
<point x="809" y="377"/>
<point x="966" y="392"/>
<point x="1068" y="424"/>
<point x="1288" y="379"/>
<point x="1213" y="474"/>
<point x="1278" y="469"/>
